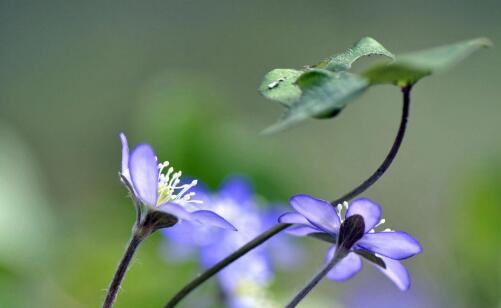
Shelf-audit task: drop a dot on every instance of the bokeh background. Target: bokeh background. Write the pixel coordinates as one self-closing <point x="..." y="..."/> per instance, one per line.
<point x="182" y="75"/>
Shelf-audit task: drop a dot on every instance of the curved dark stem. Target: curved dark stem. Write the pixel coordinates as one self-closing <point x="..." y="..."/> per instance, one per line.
<point x="406" y="90"/>
<point x="120" y="272"/>
<point x="225" y="262"/>
<point x="313" y="282"/>
<point x="280" y="227"/>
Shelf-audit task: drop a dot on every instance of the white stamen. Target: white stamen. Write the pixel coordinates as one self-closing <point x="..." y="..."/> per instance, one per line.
<point x="382" y="221"/>
<point x="339" y="209"/>
<point x="185" y="188"/>
<point x="169" y="189"/>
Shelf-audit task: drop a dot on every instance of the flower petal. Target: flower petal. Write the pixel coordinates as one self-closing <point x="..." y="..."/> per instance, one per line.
<point x="175" y="209"/>
<point x="346" y="268"/>
<point x="370" y="211"/>
<point x="210" y="218"/>
<point x="396" y="271"/>
<point x="301" y="230"/>
<point x="125" y="153"/>
<point x="320" y="213"/>
<point x="237" y="188"/>
<point x="202" y="217"/>
<point x="144" y="173"/>
<point x="397" y="245"/>
<point x="293" y="218"/>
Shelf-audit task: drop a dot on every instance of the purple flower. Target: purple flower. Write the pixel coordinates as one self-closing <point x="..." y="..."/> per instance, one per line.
<point x="369" y="293"/>
<point x="244" y="283"/>
<point x="384" y="249"/>
<point x="158" y="187"/>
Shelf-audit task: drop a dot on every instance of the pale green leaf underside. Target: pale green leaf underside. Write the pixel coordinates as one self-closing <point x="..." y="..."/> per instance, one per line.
<point x="323" y="93"/>
<point x="409" y="68"/>
<point x="367" y="46"/>
<point x="279" y="85"/>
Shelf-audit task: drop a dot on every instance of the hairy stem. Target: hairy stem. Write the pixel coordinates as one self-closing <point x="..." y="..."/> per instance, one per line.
<point x="260" y="239"/>
<point x="135" y="199"/>
<point x="406" y="91"/>
<point x="121" y="269"/>
<point x="313" y="282"/>
<point x="225" y="262"/>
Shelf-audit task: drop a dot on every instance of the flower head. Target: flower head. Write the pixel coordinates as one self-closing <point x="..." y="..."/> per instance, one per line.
<point x="384" y="249"/>
<point x="244" y="282"/>
<point x="159" y="187"/>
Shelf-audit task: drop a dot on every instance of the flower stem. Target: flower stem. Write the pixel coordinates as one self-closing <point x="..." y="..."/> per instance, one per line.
<point x="260" y="239"/>
<point x="121" y="269"/>
<point x="351" y="230"/>
<point x="225" y="262"/>
<point x="314" y="281"/>
<point x="406" y="91"/>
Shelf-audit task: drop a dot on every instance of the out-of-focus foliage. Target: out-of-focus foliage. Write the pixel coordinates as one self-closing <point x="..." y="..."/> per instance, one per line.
<point x="25" y="223"/>
<point x="202" y="136"/>
<point x="474" y="225"/>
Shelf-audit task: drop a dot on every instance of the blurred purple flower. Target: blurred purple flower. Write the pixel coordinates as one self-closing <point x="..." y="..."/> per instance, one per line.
<point x="369" y="293"/>
<point x="243" y="282"/>
<point x="313" y="216"/>
<point x="160" y="189"/>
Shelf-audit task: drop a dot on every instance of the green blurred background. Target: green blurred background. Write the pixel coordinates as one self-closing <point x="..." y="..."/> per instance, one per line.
<point x="182" y="75"/>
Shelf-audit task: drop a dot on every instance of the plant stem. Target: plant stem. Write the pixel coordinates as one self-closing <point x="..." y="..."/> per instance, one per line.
<point x="225" y="262"/>
<point x="406" y="91"/>
<point x="121" y="269"/>
<point x="280" y="227"/>
<point x="314" y="281"/>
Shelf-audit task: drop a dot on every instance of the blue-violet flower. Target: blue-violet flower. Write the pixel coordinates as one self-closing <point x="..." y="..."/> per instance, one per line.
<point x="158" y="187"/>
<point x="385" y="249"/>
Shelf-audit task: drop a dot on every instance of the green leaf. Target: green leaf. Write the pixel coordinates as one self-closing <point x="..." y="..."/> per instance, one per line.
<point x="324" y="90"/>
<point x="366" y="46"/>
<point x="279" y="85"/>
<point x="409" y="68"/>
<point x="324" y="93"/>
